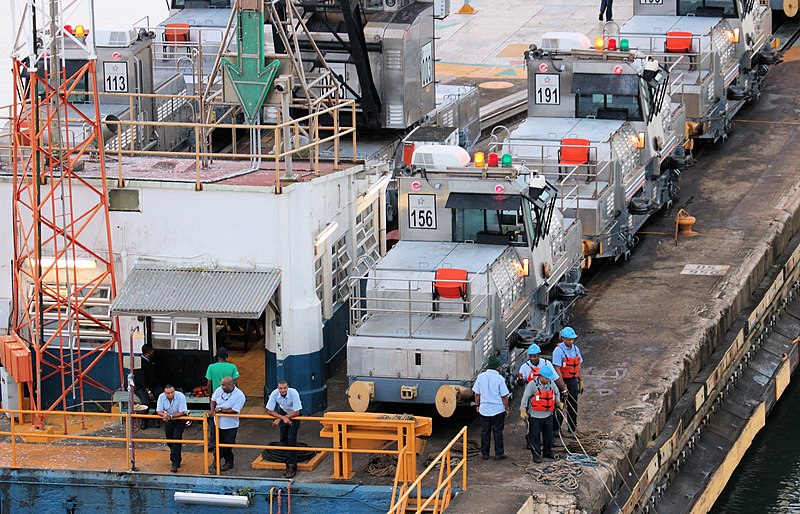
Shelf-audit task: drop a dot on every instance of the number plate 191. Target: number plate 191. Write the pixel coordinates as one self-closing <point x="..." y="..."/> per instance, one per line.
<point x="547" y="91"/>
<point x="422" y="211"/>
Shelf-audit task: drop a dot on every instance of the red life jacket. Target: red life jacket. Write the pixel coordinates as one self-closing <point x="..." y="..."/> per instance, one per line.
<point x="570" y="366"/>
<point x="543" y="400"/>
<point x="533" y="375"/>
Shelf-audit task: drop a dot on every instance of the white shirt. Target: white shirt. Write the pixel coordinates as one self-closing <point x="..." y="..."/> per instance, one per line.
<point x="492" y="388"/>
<point x="233" y="400"/>
<point x="527" y="366"/>
<point x="174" y="406"/>
<point x="289" y="403"/>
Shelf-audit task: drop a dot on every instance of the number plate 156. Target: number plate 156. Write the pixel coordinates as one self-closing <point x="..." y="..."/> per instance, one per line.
<point x="422" y="211"/>
<point x="547" y="89"/>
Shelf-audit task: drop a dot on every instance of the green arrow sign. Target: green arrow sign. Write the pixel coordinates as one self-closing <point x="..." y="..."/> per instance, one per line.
<point x="251" y="79"/>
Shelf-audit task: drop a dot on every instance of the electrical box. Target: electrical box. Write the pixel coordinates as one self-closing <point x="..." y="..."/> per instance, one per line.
<point x="8" y="391"/>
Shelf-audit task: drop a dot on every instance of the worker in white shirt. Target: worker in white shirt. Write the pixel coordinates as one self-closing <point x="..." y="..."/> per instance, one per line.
<point x="285" y="406"/>
<point x="491" y="401"/>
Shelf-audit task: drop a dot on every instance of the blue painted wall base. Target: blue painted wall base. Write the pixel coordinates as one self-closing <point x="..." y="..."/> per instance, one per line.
<point x="24" y="491"/>
<point x="306" y="373"/>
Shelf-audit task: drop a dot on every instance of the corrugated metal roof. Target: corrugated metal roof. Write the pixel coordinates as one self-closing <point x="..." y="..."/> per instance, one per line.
<point x="164" y="291"/>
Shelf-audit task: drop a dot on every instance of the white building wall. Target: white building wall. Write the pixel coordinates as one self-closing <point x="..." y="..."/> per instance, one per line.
<point x="224" y="226"/>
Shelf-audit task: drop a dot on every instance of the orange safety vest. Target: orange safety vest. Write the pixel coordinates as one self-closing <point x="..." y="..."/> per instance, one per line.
<point x="533" y="375"/>
<point x="571" y="367"/>
<point x="543" y="400"/>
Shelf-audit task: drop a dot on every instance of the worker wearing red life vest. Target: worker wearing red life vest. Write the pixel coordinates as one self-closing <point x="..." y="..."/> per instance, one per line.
<point x="538" y="404"/>
<point x="567" y="360"/>
<point x="529" y="369"/>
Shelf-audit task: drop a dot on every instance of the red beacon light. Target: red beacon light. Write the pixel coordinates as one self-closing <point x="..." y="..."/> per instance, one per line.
<point x="543" y="67"/>
<point x="618" y="70"/>
<point x="499" y="188"/>
<point x="416" y="186"/>
<point x="116" y="56"/>
<point x="68" y="29"/>
<point x="612" y="43"/>
<point x="492" y="160"/>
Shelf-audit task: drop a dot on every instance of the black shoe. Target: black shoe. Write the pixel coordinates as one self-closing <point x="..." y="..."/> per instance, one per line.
<point x="174" y="468"/>
<point x="291" y="471"/>
<point x="485" y="457"/>
<point x="143" y="424"/>
<point x="550" y="455"/>
<point x="601" y="16"/>
<point x="500" y="457"/>
<point x="226" y="466"/>
<point x="157" y="424"/>
<point x="537" y="459"/>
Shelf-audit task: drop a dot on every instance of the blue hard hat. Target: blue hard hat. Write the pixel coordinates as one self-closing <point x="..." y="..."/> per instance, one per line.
<point x="568" y="333"/>
<point x="533" y="349"/>
<point x="548" y="372"/>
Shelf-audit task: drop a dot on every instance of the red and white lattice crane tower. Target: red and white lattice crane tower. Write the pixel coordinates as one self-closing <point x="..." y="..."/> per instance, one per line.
<point x="63" y="260"/>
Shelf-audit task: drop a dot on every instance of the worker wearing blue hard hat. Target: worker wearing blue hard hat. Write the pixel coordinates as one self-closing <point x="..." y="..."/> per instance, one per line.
<point x="539" y="402"/>
<point x="567" y="360"/>
<point x="531" y="368"/>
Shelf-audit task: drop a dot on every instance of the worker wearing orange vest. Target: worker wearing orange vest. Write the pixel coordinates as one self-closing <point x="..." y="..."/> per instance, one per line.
<point x="567" y="360"/>
<point x="537" y="407"/>
<point x="530" y="369"/>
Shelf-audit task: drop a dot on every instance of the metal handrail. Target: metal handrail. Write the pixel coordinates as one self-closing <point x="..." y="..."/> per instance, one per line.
<point x="405" y="430"/>
<point x="444" y="483"/>
<point x="360" y="313"/>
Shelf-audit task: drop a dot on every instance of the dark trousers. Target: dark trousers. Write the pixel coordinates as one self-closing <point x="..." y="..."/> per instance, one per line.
<point x="212" y="434"/>
<point x="174" y="430"/>
<point x="540" y="435"/>
<point x="605" y="8"/>
<point x="573" y="387"/>
<point x="493" y="426"/>
<point x="289" y="438"/>
<point x="142" y="394"/>
<point x="227" y="436"/>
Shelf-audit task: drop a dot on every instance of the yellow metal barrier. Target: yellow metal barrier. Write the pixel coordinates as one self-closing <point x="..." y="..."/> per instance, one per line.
<point x="352" y="433"/>
<point x="128" y="419"/>
<point x="349" y="433"/>
<point x="440" y="498"/>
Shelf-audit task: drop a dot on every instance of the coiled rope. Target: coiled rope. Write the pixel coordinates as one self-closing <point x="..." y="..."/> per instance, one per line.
<point x="281" y="455"/>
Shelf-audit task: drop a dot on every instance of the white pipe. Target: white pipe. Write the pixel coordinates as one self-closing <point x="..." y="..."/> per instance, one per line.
<point x="211" y="499"/>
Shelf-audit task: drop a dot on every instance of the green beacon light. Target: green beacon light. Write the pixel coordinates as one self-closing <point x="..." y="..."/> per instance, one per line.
<point x="505" y="161"/>
<point x="624" y="46"/>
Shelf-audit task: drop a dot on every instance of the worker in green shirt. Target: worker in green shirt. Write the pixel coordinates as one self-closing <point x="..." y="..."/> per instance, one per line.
<point x="214" y="375"/>
<point x="219" y="370"/>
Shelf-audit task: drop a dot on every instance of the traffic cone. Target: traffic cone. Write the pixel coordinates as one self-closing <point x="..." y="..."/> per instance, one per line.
<point x="466" y="8"/>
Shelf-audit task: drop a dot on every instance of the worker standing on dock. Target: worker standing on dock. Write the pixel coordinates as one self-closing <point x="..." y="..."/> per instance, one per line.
<point x="228" y="399"/>
<point x="531" y="368"/>
<point x="537" y="407"/>
<point x="567" y="360"/>
<point x="214" y="375"/>
<point x="491" y="401"/>
<point x="284" y="405"/>
<point x="171" y="407"/>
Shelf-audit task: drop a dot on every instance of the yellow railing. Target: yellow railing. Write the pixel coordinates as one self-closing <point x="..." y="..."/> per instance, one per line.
<point x="343" y="432"/>
<point x="437" y="501"/>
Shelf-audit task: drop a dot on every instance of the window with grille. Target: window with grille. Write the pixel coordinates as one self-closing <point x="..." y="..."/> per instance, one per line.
<point x="177" y="333"/>
<point x="319" y="278"/>
<point x="340" y="263"/>
<point x="366" y="234"/>
<point x="96" y="303"/>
